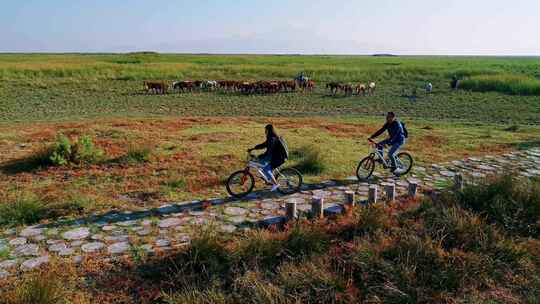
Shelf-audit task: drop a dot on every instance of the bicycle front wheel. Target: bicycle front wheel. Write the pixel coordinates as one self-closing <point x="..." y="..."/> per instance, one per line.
<point x="404" y="163"/>
<point x="240" y="183"/>
<point x="365" y="168"/>
<point x="289" y="180"/>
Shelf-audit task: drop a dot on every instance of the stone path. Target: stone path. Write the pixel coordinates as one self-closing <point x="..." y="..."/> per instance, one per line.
<point x="172" y="225"/>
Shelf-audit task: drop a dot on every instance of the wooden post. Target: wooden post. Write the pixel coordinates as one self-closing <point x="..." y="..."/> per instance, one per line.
<point x="413" y="188"/>
<point x="458" y="182"/>
<point x="390" y="190"/>
<point x="317" y="207"/>
<point x="291" y="209"/>
<point x="349" y="203"/>
<point x="349" y="199"/>
<point x="372" y="194"/>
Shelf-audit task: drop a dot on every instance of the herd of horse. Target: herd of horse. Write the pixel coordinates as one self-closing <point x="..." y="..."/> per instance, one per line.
<point x="350" y="89"/>
<point x="254" y="87"/>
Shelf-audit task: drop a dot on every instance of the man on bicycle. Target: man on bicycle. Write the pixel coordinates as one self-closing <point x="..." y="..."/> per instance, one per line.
<point x="396" y="138"/>
<point x="273" y="157"/>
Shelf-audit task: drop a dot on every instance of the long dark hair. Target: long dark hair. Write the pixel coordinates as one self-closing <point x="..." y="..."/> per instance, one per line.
<point x="271" y="132"/>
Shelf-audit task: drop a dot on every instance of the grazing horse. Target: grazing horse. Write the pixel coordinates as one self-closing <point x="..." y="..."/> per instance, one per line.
<point x="209" y="85"/>
<point x="287" y="85"/>
<point x="310" y="85"/>
<point x="361" y="88"/>
<point x="429" y="88"/>
<point x="347" y="89"/>
<point x="333" y="87"/>
<point x="183" y="86"/>
<point x="371" y="88"/>
<point x="155" y="87"/>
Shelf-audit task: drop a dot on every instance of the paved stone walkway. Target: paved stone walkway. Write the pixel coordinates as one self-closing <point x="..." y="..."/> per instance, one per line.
<point x="172" y="225"/>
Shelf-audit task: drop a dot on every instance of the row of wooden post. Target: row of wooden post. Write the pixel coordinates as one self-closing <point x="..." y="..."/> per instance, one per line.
<point x="317" y="202"/>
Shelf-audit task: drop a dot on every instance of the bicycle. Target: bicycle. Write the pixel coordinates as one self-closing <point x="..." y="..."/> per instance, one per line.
<point x="242" y="182"/>
<point x="404" y="163"/>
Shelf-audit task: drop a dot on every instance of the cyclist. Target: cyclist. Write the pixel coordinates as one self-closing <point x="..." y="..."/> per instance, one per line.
<point x="273" y="157"/>
<point x="396" y="139"/>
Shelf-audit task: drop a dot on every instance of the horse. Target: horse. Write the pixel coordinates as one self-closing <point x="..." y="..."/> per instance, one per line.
<point x="183" y="86"/>
<point x="371" y="88"/>
<point x="155" y="87"/>
<point x="347" y="89"/>
<point x="209" y="85"/>
<point x="333" y="87"/>
<point x="361" y="88"/>
<point x="429" y="88"/>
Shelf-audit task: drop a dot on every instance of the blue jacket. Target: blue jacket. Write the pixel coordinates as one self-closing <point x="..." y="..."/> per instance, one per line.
<point x="395" y="130"/>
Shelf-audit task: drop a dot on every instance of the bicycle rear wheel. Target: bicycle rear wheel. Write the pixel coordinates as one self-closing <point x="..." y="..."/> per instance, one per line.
<point x="365" y="168"/>
<point x="290" y="180"/>
<point x="240" y="183"/>
<point x="404" y="162"/>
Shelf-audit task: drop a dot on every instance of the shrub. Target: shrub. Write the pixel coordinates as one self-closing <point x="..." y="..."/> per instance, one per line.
<point x="252" y="288"/>
<point x="85" y="152"/>
<point x="24" y="209"/>
<point x="512" y="128"/>
<point x="456" y="228"/>
<point x="61" y="151"/>
<point x="39" y="289"/>
<point x="511" y="203"/>
<point x="205" y="262"/>
<point x="371" y="219"/>
<point x="259" y="250"/>
<point x="195" y="296"/>
<point x="137" y="154"/>
<point x="309" y="160"/>
<point x="305" y="241"/>
<point x="310" y="282"/>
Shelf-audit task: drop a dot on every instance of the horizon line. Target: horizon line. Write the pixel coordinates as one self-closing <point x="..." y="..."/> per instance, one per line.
<point x="261" y="54"/>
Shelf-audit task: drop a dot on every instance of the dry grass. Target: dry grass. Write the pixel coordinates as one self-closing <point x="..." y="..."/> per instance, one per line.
<point x="181" y="159"/>
<point x="432" y="251"/>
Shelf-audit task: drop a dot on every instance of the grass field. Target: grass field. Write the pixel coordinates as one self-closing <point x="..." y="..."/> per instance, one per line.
<point x="193" y="141"/>
<point x="75" y="86"/>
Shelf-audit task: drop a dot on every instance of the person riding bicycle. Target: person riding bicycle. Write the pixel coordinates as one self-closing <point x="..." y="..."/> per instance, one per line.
<point x="273" y="157"/>
<point x="396" y="139"/>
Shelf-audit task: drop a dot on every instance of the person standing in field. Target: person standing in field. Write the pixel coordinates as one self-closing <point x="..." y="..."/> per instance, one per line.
<point x="275" y="155"/>
<point x="397" y="133"/>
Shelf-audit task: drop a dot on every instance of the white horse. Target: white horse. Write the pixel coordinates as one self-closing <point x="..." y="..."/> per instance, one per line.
<point x="371" y="88"/>
<point x="209" y="85"/>
<point x="429" y="88"/>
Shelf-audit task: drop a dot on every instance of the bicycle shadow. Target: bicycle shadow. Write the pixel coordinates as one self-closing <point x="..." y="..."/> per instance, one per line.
<point x="116" y="216"/>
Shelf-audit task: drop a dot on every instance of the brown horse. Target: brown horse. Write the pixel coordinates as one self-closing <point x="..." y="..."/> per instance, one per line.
<point x="333" y="87"/>
<point x="183" y="86"/>
<point x="361" y="88"/>
<point x="156" y="87"/>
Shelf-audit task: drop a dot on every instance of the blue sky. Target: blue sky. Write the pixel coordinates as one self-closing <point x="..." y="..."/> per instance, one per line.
<point x="478" y="27"/>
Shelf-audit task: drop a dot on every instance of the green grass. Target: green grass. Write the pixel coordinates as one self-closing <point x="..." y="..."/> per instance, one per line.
<point x="510" y="84"/>
<point x="308" y="159"/>
<point x="24" y="209"/>
<point x="509" y="203"/>
<point x="71" y="87"/>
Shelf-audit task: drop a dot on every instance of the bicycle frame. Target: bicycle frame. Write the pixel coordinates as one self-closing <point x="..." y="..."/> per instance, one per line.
<point x="257" y="166"/>
<point x="380" y="155"/>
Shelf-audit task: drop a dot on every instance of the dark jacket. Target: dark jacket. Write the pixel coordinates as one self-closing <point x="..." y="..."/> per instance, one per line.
<point x="271" y="151"/>
<point x="395" y="130"/>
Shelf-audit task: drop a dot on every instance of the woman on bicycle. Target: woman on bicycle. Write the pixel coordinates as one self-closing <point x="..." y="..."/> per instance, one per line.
<point x="271" y="158"/>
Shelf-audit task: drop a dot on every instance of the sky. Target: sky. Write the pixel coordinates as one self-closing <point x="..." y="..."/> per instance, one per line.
<point x="405" y="27"/>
